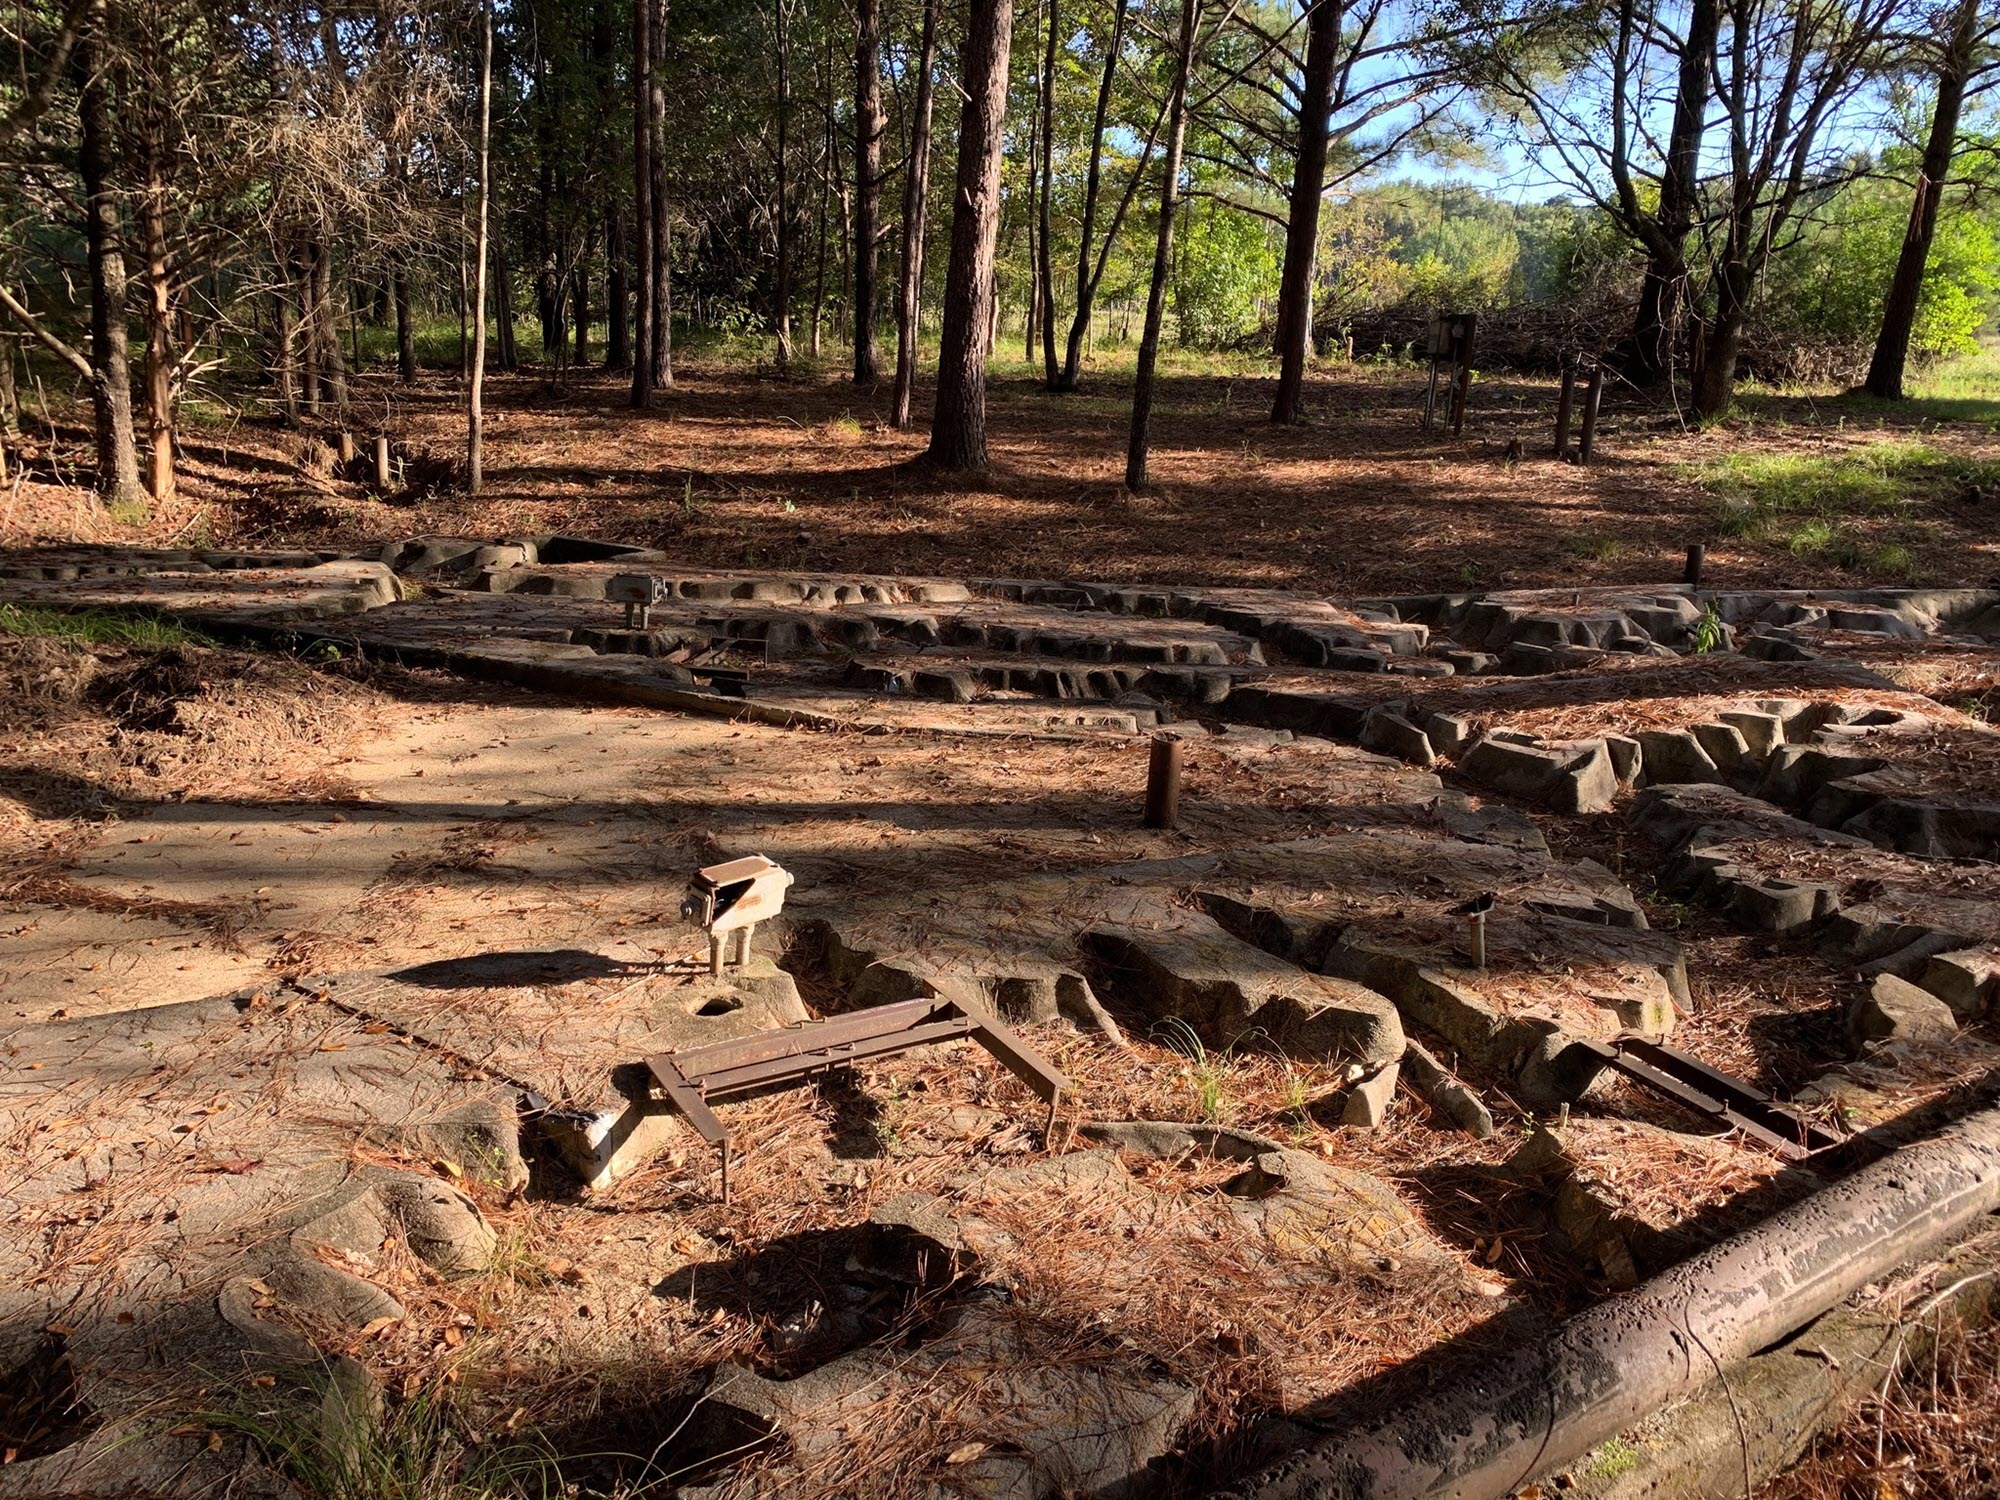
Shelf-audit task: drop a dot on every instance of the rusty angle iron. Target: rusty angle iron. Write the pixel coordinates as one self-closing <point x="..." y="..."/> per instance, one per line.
<point x="694" y="1077"/>
<point x="1709" y="1091"/>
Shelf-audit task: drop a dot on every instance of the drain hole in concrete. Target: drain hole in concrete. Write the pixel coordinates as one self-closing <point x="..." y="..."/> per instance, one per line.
<point x="41" y="1410"/>
<point x="719" y="1005"/>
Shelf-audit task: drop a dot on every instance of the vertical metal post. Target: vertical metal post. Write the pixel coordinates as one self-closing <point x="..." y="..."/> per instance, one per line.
<point x="382" y="463"/>
<point x="1563" y="404"/>
<point x="1461" y="390"/>
<point x="1696" y="557"/>
<point x="1163" y="781"/>
<point x="1592" y="393"/>
<point x="1478" y="920"/>
<point x="715" y="954"/>
<point x="346" y="442"/>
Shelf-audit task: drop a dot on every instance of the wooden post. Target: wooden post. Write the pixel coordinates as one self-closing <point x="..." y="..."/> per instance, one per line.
<point x="1697" y="555"/>
<point x="382" y="463"/>
<point x="346" y="447"/>
<point x="1461" y="390"/>
<point x="1163" y="782"/>
<point x="1592" y="393"/>
<point x="1563" y="405"/>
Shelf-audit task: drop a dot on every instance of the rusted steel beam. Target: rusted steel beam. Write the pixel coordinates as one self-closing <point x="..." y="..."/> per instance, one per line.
<point x="691" y="1079"/>
<point x="1730" y="1101"/>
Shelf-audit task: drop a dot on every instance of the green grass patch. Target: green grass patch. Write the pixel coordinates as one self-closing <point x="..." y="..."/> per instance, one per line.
<point x="1965" y="389"/>
<point x="1812" y="503"/>
<point x="98" y="627"/>
<point x="1592" y="546"/>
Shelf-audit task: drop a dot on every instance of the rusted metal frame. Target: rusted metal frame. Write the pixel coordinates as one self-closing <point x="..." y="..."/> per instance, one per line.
<point x="716" y="1083"/>
<point x="1692" y="1083"/>
<point x="690" y="1079"/>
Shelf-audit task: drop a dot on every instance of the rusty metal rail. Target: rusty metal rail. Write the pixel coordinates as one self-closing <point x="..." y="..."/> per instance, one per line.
<point x="1730" y="1101"/>
<point x="694" y="1078"/>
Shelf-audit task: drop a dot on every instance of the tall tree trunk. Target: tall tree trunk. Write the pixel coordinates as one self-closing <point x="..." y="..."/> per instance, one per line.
<point x="1899" y="308"/>
<point x="1086" y="283"/>
<point x="642" y="196"/>
<point x="1656" y="326"/>
<point x="869" y="123"/>
<point x="1044" y="270"/>
<point x="663" y="218"/>
<point x="1715" y="376"/>
<point x="958" y="418"/>
<point x="1163" y="255"/>
<point x="579" y="302"/>
<point x="503" y="293"/>
<point x="916" y="197"/>
<point x="475" y="416"/>
<point x="830" y="145"/>
<point x="325" y="330"/>
<point x="406" y="334"/>
<point x="285" y="352"/>
<point x="308" y="332"/>
<point x="1028" y="320"/>
<point x="161" y="320"/>
<point x="110" y="357"/>
<point x="1295" y="283"/>
<point x="781" y="291"/>
<point x="617" y="331"/>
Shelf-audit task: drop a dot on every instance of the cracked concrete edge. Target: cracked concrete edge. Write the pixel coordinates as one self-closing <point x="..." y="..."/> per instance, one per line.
<point x="1769" y="1410"/>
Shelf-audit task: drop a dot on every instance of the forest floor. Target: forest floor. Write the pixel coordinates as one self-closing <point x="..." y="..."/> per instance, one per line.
<point x="208" y="851"/>
<point x="736" y="466"/>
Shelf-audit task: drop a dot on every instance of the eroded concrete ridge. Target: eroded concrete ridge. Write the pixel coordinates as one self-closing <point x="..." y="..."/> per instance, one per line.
<point x="332" y="971"/>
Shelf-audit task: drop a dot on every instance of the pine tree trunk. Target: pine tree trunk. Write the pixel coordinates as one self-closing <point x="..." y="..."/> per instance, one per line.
<point x="325" y="330"/>
<point x="1295" y="283"/>
<point x="916" y="196"/>
<point x="1163" y="256"/>
<point x="663" y="218"/>
<point x="475" y="416"/>
<point x="1906" y="286"/>
<point x="869" y="123"/>
<point x="642" y="195"/>
<point x="617" y="330"/>
<point x="1044" y="271"/>
<point x="406" y="334"/>
<point x="1715" y="378"/>
<point x="160" y="334"/>
<point x="958" y="418"/>
<point x="503" y="295"/>
<point x="285" y="347"/>
<point x="1656" y="326"/>
<point x="1086" y="283"/>
<point x="110" y="357"/>
<point x="579" y="303"/>
<point x="781" y="291"/>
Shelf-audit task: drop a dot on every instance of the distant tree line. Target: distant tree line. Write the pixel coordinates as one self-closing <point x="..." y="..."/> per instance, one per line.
<point x="198" y="198"/>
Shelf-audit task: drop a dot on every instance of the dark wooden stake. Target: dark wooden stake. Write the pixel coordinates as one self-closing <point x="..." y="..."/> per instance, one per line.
<point x="1461" y="388"/>
<point x="1563" y="404"/>
<point x="1691" y="575"/>
<point x="1163" y="782"/>
<point x="1593" y="392"/>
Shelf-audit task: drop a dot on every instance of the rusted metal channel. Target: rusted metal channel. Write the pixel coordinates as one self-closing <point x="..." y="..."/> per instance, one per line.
<point x="1547" y="1404"/>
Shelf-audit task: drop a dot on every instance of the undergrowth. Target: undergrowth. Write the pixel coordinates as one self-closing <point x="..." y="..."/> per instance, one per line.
<point x="98" y="627"/>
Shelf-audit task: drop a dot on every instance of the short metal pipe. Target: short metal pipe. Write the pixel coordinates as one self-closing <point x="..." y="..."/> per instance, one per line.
<point x="1499" y="1426"/>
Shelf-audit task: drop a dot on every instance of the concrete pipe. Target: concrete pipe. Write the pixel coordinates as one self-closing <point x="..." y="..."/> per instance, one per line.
<point x="1546" y="1405"/>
